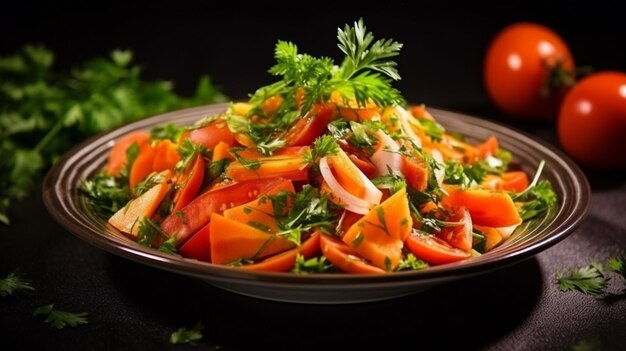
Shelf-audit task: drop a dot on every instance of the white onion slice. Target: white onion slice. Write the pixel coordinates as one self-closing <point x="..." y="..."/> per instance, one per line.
<point x="506" y="231"/>
<point x="351" y="202"/>
<point x="388" y="156"/>
<point x="440" y="172"/>
<point x="404" y="116"/>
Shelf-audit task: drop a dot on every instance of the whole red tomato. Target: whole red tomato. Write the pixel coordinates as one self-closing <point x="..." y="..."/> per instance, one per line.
<point x="592" y="120"/>
<point x="526" y="67"/>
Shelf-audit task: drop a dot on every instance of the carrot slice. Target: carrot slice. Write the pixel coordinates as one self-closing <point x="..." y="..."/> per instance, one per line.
<point x="221" y="152"/>
<point x="232" y="240"/>
<point x="191" y="218"/>
<point x="487" y="208"/>
<point x="379" y="235"/>
<point x="345" y="258"/>
<point x="117" y="156"/>
<point x="166" y="156"/>
<point x="347" y="174"/>
<point x="257" y="212"/>
<point x="280" y="165"/>
<point x="142" y="165"/>
<point x="127" y="218"/>
<point x="285" y="261"/>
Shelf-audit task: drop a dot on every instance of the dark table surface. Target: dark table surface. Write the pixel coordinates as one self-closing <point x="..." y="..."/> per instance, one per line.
<point x="135" y="307"/>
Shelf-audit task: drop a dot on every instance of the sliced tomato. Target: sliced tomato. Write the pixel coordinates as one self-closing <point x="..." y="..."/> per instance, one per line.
<point x="191" y="218"/>
<point x="190" y="183"/>
<point x="212" y="134"/>
<point x="198" y="246"/>
<point x="434" y="250"/>
<point x="312" y="125"/>
<point x="459" y="236"/>
<point x="345" y="258"/>
<point x="416" y="172"/>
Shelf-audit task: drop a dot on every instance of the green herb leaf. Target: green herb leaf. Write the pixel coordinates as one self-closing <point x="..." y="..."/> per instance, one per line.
<point x="311" y="266"/>
<point x="14" y="284"/>
<point x="188" y="336"/>
<point x="616" y="264"/>
<point x="107" y="193"/>
<point x="60" y="319"/>
<point x="410" y="262"/>
<point x="589" y="280"/>
<point x="44" y="112"/>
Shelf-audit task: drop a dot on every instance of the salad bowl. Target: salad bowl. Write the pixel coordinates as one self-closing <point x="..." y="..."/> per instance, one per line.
<point x="73" y="211"/>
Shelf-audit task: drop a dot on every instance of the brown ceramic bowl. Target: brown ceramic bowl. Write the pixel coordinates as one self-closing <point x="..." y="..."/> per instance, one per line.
<point x="75" y="213"/>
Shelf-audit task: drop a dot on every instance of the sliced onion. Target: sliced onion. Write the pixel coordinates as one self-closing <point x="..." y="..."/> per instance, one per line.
<point x="404" y="116"/>
<point x="506" y="231"/>
<point x="440" y="172"/>
<point x="388" y="156"/>
<point x="351" y="202"/>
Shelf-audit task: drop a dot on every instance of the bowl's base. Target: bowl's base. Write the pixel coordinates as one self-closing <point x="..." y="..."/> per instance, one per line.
<point x="311" y="295"/>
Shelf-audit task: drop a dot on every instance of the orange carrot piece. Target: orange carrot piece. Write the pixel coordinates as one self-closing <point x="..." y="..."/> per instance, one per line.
<point x="345" y="258"/>
<point x="284" y="262"/>
<point x="232" y="240"/>
<point x="487" y="208"/>
<point x="127" y="218"/>
<point x="259" y="212"/>
<point x="221" y="152"/>
<point x="380" y="234"/>
<point x="166" y="156"/>
<point x="117" y="157"/>
<point x="142" y="166"/>
<point x="347" y="174"/>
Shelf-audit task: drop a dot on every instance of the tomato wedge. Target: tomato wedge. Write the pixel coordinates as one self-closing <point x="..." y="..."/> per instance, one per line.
<point x="190" y="183"/>
<point x="434" y="250"/>
<point x="344" y="258"/>
<point x="188" y="220"/>
<point x="212" y="134"/>
<point x="198" y="246"/>
<point x="310" y="126"/>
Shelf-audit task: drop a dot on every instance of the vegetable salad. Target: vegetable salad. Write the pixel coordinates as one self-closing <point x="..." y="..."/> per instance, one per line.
<point x="326" y="170"/>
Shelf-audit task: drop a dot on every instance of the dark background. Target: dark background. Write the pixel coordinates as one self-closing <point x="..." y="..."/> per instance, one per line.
<point x="440" y="64"/>
<point x="133" y="307"/>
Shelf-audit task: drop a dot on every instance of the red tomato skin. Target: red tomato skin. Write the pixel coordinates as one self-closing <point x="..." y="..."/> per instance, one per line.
<point x="515" y="71"/>
<point x="212" y="134"/>
<point x="592" y="121"/>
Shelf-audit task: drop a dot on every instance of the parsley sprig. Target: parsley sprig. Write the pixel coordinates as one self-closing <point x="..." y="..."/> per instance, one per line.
<point x="60" y="319"/>
<point x="537" y="198"/>
<point x="300" y="212"/>
<point x="44" y="112"/>
<point x="14" y="283"/>
<point x="188" y="336"/>
<point x="364" y="76"/>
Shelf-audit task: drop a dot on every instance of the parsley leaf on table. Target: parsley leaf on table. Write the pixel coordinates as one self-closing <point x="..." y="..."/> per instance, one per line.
<point x="589" y="280"/>
<point x="44" y="112"/>
<point x="14" y="283"/>
<point x="188" y="336"/>
<point x="60" y="319"/>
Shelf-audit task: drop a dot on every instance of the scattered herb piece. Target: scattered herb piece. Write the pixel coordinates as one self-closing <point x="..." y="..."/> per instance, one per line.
<point x="14" y="283"/>
<point x="188" y="336"/>
<point x="589" y="280"/>
<point x="60" y="319"/>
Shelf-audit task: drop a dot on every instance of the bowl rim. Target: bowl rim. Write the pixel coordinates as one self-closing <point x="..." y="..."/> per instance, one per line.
<point x="60" y="198"/>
